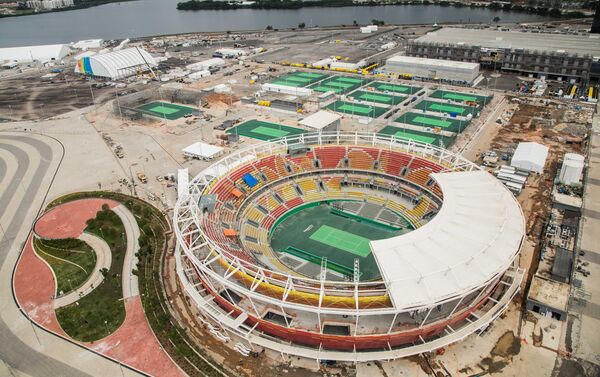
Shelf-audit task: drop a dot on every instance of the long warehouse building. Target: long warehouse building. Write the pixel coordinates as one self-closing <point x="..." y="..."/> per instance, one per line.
<point x="451" y="70"/>
<point x="554" y="56"/>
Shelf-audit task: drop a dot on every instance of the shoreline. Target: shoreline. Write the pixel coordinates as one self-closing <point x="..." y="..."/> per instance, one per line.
<point x="300" y="4"/>
<point x="84" y="5"/>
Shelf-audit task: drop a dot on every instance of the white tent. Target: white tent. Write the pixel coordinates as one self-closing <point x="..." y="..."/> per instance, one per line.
<point x="322" y="121"/>
<point x="530" y="156"/>
<point x="116" y="64"/>
<point x="29" y="54"/>
<point x="202" y="151"/>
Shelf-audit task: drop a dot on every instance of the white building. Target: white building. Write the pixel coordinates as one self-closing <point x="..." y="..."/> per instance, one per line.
<point x="117" y="64"/>
<point x="433" y="68"/>
<point x="28" y="54"/>
<point x="88" y="43"/>
<point x="530" y="156"/>
<point x="49" y="4"/>
<point x="322" y="121"/>
<point x="206" y="64"/>
<point x="194" y="76"/>
<point x="284" y="89"/>
<point x="571" y="169"/>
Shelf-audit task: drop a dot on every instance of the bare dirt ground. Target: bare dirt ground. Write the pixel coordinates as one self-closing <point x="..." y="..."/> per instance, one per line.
<point x="27" y="97"/>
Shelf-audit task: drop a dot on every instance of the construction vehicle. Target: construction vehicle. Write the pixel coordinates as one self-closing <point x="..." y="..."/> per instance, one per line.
<point x="142" y="177"/>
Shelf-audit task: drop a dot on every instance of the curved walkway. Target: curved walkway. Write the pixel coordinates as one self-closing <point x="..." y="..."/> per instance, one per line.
<point x="103" y="260"/>
<point x="133" y="343"/>
<point x="132" y="230"/>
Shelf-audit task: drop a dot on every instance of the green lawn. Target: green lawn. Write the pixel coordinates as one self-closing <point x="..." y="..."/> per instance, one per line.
<point x="72" y="261"/>
<point x="102" y="311"/>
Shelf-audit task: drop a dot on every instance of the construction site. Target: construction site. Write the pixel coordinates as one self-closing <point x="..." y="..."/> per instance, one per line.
<point x="248" y="144"/>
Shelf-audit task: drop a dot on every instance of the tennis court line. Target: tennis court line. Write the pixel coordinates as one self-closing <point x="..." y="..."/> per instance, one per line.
<point x="342" y="240"/>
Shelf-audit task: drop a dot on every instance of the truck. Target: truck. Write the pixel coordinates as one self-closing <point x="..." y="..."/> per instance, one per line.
<point x="142" y="177"/>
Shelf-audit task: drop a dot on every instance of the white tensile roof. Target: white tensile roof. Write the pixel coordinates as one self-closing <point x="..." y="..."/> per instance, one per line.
<point x="320" y="120"/>
<point x="202" y="150"/>
<point x="121" y="63"/>
<point x="530" y="156"/>
<point x="476" y="235"/>
<point x="32" y="53"/>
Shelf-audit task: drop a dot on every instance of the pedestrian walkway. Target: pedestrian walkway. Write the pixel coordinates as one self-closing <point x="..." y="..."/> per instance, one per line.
<point x="103" y="260"/>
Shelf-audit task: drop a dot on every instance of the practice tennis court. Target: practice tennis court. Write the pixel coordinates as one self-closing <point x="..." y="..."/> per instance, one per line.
<point x="394" y="88"/>
<point x="423" y="137"/>
<point x="314" y="231"/>
<point x="299" y="79"/>
<point x="386" y="99"/>
<point x="260" y="130"/>
<point x="461" y="97"/>
<point x="339" y="84"/>
<point x="357" y="109"/>
<point x="166" y="110"/>
<point x="423" y="120"/>
<point x="439" y="107"/>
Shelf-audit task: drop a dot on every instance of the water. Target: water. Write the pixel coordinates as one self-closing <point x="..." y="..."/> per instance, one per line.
<point x="155" y="17"/>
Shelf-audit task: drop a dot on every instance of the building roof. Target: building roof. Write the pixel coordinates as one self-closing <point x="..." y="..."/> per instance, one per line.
<point x="548" y="292"/>
<point x="530" y="155"/>
<point x="563" y="261"/>
<point x="432" y="62"/>
<point x="320" y="120"/>
<point x="88" y="43"/>
<point x="202" y="150"/>
<point x="33" y="53"/>
<point x="578" y="44"/>
<point x="476" y="235"/>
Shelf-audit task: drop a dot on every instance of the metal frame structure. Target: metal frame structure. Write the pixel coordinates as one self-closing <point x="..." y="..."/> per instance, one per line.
<point x="211" y="275"/>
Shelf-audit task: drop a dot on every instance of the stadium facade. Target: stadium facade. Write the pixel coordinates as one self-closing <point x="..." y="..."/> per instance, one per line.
<point x="449" y="274"/>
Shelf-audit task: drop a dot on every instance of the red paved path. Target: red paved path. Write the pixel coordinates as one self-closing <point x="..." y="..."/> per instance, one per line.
<point x="34" y="288"/>
<point x="68" y="220"/>
<point x="133" y="343"/>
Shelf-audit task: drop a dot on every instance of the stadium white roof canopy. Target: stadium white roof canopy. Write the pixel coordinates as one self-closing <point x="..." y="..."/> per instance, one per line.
<point x="29" y="54"/>
<point x="475" y="236"/>
<point x="530" y="156"/>
<point x="202" y="150"/>
<point x="320" y="120"/>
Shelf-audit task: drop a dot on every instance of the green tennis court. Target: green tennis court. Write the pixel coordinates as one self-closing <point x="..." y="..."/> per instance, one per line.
<point x="311" y="75"/>
<point x="349" y="242"/>
<point x="314" y="231"/>
<point x="421" y="136"/>
<point x="376" y="97"/>
<point x="445" y="108"/>
<point x="463" y="97"/>
<point x="349" y="79"/>
<point x="423" y="120"/>
<point x="166" y="110"/>
<point x="299" y="79"/>
<point x="357" y="109"/>
<point x="339" y="84"/>
<point x="394" y="88"/>
<point x="324" y="89"/>
<point x="260" y="130"/>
